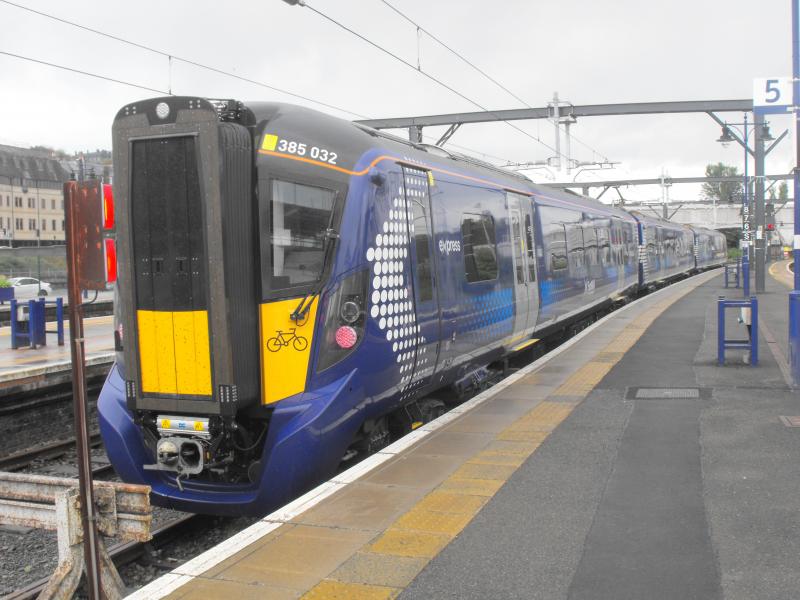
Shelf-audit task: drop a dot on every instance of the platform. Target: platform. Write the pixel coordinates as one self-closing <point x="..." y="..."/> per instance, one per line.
<point x="623" y="465"/>
<point x="25" y="363"/>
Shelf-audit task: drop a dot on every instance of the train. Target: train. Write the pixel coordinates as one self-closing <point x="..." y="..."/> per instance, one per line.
<point x="295" y="289"/>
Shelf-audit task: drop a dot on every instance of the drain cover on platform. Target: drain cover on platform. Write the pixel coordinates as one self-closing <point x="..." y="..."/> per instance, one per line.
<point x="665" y="393"/>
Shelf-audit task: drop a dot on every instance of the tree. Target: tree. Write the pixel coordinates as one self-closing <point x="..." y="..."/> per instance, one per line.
<point x="728" y="191"/>
<point x="783" y="191"/>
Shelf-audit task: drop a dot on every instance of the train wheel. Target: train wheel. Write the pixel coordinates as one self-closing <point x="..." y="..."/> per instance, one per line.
<point x="431" y="409"/>
<point x="378" y="438"/>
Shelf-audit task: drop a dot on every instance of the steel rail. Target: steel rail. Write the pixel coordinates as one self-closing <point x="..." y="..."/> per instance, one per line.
<point x="123" y="553"/>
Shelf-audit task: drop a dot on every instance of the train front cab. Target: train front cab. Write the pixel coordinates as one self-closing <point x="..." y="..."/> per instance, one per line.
<point x="210" y="345"/>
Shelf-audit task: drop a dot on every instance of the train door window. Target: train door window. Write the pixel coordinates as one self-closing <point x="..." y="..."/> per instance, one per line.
<point x="590" y="245"/>
<point x="516" y="241"/>
<point x="423" y="248"/>
<point x="603" y="246"/>
<point x="480" y="251"/>
<point x="299" y="217"/>
<point x="531" y="248"/>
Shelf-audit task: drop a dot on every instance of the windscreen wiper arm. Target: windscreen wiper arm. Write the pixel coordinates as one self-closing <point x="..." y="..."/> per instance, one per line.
<point x="301" y="310"/>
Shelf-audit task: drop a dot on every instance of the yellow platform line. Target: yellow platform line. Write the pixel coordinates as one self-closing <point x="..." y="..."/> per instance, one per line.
<point x="420" y="534"/>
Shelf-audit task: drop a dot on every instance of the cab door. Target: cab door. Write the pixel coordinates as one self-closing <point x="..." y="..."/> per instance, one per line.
<point x="523" y="254"/>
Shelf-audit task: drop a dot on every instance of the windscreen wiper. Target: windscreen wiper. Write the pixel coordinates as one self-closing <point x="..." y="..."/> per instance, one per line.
<point x="301" y="310"/>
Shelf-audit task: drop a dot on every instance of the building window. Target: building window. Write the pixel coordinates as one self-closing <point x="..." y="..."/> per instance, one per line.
<point x="31" y="203"/>
<point x="53" y="223"/>
<point x="44" y="224"/>
<point x="480" y="252"/>
<point x="44" y="203"/>
<point x="20" y="225"/>
<point x="62" y="223"/>
<point x="53" y="205"/>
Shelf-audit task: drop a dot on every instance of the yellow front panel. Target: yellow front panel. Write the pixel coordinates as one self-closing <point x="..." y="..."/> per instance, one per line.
<point x="285" y="349"/>
<point x="192" y="356"/>
<point x="174" y="352"/>
<point x="148" y="359"/>
<point x="183" y="336"/>
<point x="202" y="352"/>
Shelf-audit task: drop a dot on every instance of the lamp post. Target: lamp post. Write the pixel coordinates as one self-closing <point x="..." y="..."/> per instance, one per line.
<point x="762" y="134"/>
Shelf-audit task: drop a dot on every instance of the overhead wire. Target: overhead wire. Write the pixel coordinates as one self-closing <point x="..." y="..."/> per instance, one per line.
<point x="427" y="75"/>
<point x="172" y="57"/>
<point x="478" y="69"/>
<point x="81" y="72"/>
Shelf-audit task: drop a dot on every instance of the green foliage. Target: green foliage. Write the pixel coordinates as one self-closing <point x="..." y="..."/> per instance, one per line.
<point x="729" y="191"/>
<point x="783" y="191"/>
<point x="4" y="283"/>
<point x="734" y="253"/>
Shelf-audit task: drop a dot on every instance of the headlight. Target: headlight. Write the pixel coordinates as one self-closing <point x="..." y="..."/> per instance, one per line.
<point x="344" y="319"/>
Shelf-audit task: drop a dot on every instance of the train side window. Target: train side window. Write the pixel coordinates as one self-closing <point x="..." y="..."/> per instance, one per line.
<point x="480" y="250"/>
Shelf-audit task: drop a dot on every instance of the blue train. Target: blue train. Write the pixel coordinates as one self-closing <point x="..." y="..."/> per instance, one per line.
<point x="292" y="287"/>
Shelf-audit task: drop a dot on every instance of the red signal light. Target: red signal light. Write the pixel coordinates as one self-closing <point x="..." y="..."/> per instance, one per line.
<point x="770" y="227"/>
<point x="108" y="206"/>
<point x="346" y="337"/>
<point x="110" y="248"/>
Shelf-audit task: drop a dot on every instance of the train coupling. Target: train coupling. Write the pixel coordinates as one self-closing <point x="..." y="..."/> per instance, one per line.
<point x="182" y="444"/>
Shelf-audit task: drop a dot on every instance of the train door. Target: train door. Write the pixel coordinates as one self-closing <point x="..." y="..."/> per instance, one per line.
<point x="424" y="328"/>
<point x="520" y="218"/>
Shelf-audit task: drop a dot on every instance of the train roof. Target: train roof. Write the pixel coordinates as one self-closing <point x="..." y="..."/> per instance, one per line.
<point x="351" y="141"/>
<point x="658" y="221"/>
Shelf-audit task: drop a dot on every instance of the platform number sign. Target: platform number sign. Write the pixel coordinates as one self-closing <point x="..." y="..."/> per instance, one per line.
<point x="772" y="95"/>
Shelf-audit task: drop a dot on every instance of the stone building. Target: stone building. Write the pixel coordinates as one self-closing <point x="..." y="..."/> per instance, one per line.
<point x="31" y="198"/>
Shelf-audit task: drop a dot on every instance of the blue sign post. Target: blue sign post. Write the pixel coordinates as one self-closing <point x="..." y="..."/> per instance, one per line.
<point x="794" y="296"/>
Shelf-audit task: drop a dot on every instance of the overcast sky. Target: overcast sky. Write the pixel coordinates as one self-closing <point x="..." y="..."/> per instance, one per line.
<point x="590" y="52"/>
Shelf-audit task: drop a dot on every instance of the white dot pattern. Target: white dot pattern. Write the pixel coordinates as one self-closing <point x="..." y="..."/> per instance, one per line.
<point x="392" y="303"/>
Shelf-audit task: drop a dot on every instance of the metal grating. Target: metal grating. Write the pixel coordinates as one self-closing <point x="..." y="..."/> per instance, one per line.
<point x="667" y="393"/>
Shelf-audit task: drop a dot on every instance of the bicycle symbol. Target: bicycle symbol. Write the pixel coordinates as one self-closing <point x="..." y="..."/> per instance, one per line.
<point x="281" y="340"/>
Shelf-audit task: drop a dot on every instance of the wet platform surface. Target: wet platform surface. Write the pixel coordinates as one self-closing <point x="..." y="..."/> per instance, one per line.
<point x="25" y="362"/>
<point x="626" y="465"/>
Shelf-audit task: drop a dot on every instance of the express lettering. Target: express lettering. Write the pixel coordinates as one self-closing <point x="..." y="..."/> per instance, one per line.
<point x="448" y="246"/>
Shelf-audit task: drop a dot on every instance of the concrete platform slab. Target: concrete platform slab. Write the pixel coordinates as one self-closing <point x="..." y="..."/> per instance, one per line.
<point x="588" y="492"/>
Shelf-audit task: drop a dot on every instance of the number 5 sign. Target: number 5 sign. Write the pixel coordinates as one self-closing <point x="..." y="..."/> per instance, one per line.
<point x="773" y="95"/>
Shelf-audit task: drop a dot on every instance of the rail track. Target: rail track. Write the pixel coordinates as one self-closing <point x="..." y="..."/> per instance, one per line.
<point x="24" y="458"/>
<point x="128" y="552"/>
<point x="34" y="399"/>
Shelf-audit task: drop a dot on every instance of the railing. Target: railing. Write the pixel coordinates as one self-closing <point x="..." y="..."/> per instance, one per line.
<point x="121" y="510"/>
<point x="749" y="313"/>
<point x="32" y="332"/>
<point x="734" y="269"/>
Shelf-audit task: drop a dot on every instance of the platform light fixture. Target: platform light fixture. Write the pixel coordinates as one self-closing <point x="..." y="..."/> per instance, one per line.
<point x="766" y="134"/>
<point x="726" y="137"/>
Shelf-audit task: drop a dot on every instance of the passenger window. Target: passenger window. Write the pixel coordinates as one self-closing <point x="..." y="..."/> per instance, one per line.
<point x="480" y="251"/>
